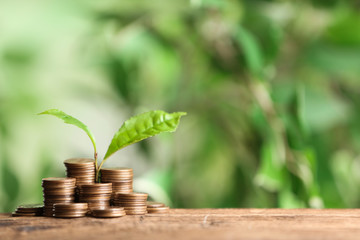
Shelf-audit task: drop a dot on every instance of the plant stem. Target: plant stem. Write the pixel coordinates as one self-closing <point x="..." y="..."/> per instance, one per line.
<point x="96" y="168"/>
<point x="102" y="162"/>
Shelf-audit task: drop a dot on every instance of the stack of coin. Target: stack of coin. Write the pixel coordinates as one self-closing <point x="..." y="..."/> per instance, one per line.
<point x="121" y="179"/>
<point x="57" y="190"/>
<point x="29" y="210"/>
<point x="133" y="203"/>
<point x="83" y="169"/>
<point x="97" y="195"/>
<point x="70" y="210"/>
<point x="156" y="207"/>
<point x="108" y="212"/>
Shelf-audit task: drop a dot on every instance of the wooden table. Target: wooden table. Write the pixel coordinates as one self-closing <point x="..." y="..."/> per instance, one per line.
<point x="193" y="224"/>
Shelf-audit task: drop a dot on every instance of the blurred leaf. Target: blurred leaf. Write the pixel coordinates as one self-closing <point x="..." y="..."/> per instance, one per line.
<point x="119" y="77"/>
<point x="273" y="42"/>
<point x="271" y="172"/>
<point x="322" y="111"/>
<point x="289" y="200"/>
<point x="250" y="50"/>
<point x="11" y="184"/>
<point x="268" y="33"/>
<point x="325" y="3"/>
<point x="345" y="171"/>
<point x="295" y="120"/>
<point x="340" y="60"/>
<point x="258" y="119"/>
<point x="342" y="31"/>
<point x="19" y="54"/>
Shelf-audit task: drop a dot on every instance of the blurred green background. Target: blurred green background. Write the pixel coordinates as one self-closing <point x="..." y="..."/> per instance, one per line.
<point x="271" y="89"/>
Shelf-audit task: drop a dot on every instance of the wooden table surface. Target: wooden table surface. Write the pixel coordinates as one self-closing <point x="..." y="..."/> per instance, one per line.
<point x="193" y="224"/>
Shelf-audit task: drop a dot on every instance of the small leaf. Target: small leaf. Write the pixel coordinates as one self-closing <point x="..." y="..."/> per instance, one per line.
<point x="143" y="126"/>
<point x="73" y="121"/>
<point x="251" y="50"/>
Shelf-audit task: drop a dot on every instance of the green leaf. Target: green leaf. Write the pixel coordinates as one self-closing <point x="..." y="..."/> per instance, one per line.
<point x="73" y="121"/>
<point x="143" y="126"/>
<point x="272" y="167"/>
<point x="251" y="50"/>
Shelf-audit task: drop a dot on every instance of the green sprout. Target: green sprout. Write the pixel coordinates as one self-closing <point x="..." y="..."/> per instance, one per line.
<point x="133" y="130"/>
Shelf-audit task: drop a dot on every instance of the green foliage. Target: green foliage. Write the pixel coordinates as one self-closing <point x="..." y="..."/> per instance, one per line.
<point x="73" y="121"/>
<point x="143" y="126"/>
<point x="251" y="51"/>
<point x="10" y="184"/>
<point x="135" y="129"/>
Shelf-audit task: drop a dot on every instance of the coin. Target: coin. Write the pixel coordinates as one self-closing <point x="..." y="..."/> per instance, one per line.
<point x="97" y="195"/>
<point x="28" y="210"/>
<point x="16" y="214"/>
<point x="83" y="169"/>
<point x="71" y="206"/>
<point x="135" y="211"/>
<point x="117" y="169"/>
<point x="134" y="203"/>
<point x="128" y="203"/>
<point x="133" y="195"/>
<point x="79" y="161"/>
<point x="158" y="209"/>
<point x="70" y="210"/>
<point x="154" y="204"/>
<point x="57" y="190"/>
<point x="69" y="215"/>
<point x="108" y="212"/>
<point x="97" y="186"/>
<point x="56" y="180"/>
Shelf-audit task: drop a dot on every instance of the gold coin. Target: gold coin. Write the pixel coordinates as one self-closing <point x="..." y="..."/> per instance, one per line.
<point x="129" y="212"/>
<point x="97" y="187"/>
<point x="57" y="211"/>
<point x="133" y="195"/>
<point x="115" y="176"/>
<point x="119" y="184"/>
<point x="37" y="209"/>
<point x="69" y="215"/>
<point x="79" y="161"/>
<point x="98" y="206"/>
<point x="16" y="214"/>
<point x="87" y="170"/>
<point x="60" y="191"/>
<point x="124" y="169"/>
<point x="154" y="204"/>
<point x="122" y="188"/>
<point x="130" y="203"/>
<point x="158" y="210"/>
<point x="135" y="207"/>
<point x="38" y="212"/>
<point x="122" y="191"/>
<point x="81" y="174"/>
<point x="108" y="212"/>
<point x="58" y="180"/>
<point x="58" y="197"/>
<point x="71" y="206"/>
<point x="112" y="180"/>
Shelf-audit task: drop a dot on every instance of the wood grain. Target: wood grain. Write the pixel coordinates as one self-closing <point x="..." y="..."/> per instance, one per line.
<point x="193" y="224"/>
